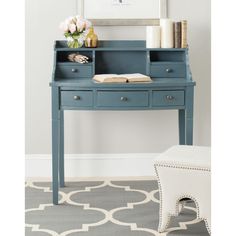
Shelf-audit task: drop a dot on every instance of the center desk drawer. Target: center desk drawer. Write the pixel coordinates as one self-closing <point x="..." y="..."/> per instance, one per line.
<point x="74" y="71"/>
<point x="167" y="70"/>
<point x="168" y="98"/>
<point x="76" y="98"/>
<point x="122" y="98"/>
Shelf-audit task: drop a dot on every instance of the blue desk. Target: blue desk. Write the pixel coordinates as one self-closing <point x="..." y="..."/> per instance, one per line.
<point x="73" y="89"/>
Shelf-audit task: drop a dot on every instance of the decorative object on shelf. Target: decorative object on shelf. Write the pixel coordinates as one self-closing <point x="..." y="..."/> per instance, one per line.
<point x="167" y="33"/>
<point x="184" y="43"/>
<point x="75" y="30"/>
<point x="91" y="40"/>
<point x="153" y="37"/>
<point x="76" y="57"/>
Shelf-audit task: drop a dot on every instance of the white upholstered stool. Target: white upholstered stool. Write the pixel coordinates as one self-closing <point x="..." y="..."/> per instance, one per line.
<point x="184" y="172"/>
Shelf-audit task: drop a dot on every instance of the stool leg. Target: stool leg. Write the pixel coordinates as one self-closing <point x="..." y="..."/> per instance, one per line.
<point x="166" y="210"/>
<point x="163" y="221"/>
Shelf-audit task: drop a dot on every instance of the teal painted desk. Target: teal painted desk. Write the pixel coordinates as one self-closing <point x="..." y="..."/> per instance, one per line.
<point x="73" y="88"/>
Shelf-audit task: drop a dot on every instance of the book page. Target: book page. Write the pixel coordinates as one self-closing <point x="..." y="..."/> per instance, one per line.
<point x="109" y="78"/>
<point x="137" y="77"/>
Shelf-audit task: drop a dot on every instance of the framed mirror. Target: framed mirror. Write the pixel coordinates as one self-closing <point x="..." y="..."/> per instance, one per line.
<point x="122" y="12"/>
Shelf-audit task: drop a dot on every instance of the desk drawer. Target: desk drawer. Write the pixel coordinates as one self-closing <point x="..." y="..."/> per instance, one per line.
<point x="168" y="98"/>
<point x="122" y="98"/>
<point x="76" y="98"/>
<point x="74" y="71"/>
<point x="167" y="70"/>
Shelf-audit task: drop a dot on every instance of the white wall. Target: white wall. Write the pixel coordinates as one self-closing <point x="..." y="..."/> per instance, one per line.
<point x="103" y="131"/>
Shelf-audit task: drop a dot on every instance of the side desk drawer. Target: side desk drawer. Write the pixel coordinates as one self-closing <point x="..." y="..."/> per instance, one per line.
<point x="168" y="98"/>
<point x="74" y="71"/>
<point x="76" y="98"/>
<point x="167" y="70"/>
<point x="122" y="98"/>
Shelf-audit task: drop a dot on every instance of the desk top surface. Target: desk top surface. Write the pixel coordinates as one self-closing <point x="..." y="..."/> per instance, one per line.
<point x="89" y="83"/>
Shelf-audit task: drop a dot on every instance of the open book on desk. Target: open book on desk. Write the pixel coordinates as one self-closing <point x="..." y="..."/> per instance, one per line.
<point x="122" y="78"/>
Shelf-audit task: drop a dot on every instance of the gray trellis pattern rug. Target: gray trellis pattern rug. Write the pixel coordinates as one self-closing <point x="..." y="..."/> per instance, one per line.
<point x="103" y="208"/>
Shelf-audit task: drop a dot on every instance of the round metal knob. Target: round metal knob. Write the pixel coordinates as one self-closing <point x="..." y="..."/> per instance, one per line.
<point x="124" y="99"/>
<point x="168" y="70"/>
<point x="76" y="97"/>
<point x="169" y="97"/>
<point x="73" y="70"/>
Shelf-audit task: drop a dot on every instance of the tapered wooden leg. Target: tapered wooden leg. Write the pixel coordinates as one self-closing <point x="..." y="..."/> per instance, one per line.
<point x="189" y="131"/>
<point x="61" y="151"/>
<point x="55" y="155"/>
<point x="55" y="143"/>
<point x="181" y="127"/>
<point x="189" y="116"/>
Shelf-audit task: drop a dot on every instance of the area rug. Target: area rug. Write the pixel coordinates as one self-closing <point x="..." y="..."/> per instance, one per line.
<point x="103" y="208"/>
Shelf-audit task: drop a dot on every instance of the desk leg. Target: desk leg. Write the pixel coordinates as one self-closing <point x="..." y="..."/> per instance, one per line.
<point x="181" y="127"/>
<point x="61" y="152"/>
<point x="55" y="143"/>
<point x="189" y="116"/>
<point x="189" y="131"/>
<point x="55" y="155"/>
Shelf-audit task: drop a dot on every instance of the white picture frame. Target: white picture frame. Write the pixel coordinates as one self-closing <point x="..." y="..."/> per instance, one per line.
<point x="122" y="12"/>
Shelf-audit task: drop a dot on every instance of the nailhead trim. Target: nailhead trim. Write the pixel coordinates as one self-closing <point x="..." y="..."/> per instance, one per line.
<point x="180" y="166"/>
<point x="183" y="196"/>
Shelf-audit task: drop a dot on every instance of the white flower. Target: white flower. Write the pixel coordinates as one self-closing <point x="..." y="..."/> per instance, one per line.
<point x="64" y="26"/>
<point x="70" y="19"/>
<point x="76" y="23"/>
<point x="72" y="28"/>
<point x="80" y="25"/>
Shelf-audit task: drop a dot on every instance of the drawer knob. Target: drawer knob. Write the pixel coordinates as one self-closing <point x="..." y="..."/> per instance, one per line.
<point x="169" y="97"/>
<point x="168" y="70"/>
<point x="73" y="70"/>
<point x="76" y="97"/>
<point x="124" y="99"/>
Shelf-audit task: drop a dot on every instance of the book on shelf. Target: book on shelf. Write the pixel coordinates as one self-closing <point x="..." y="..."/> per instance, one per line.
<point x="122" y="78"/>
<point x="177" y="34"/>
<point x="184" y="43"/>
<point x="180" y="34"/>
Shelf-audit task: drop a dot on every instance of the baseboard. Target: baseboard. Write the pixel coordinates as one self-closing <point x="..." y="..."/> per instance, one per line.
<point x="93" y="165"/>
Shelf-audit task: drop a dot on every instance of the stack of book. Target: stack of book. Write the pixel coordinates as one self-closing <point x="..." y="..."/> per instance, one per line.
<point x="169" y="34"/>
<point x="180" y="34"/>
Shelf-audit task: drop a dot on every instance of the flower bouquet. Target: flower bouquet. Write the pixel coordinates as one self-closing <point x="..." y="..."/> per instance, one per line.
<point x="75" y="30"/>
